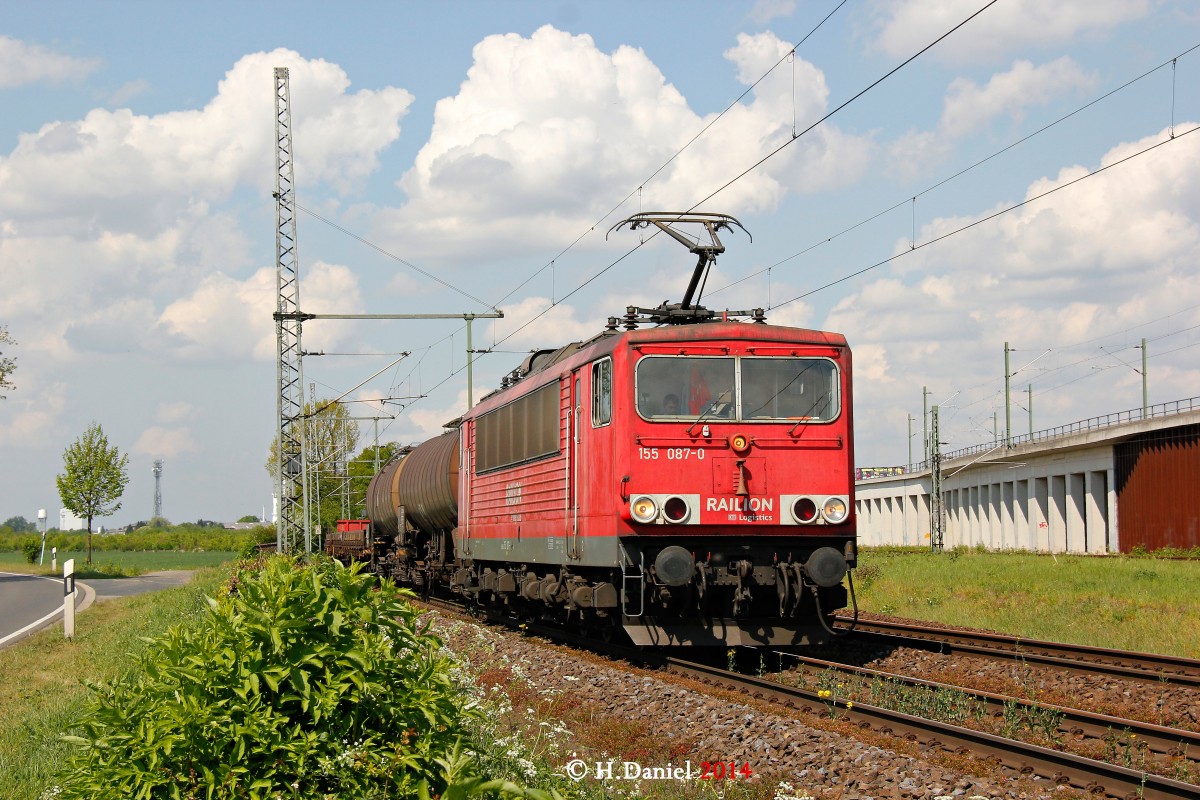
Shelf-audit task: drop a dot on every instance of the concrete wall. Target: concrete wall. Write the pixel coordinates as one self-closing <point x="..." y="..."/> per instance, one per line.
<point x="1049" y="501"/>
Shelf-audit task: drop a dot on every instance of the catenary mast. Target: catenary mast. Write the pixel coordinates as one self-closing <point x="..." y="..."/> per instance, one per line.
<point x="291" y="466"/>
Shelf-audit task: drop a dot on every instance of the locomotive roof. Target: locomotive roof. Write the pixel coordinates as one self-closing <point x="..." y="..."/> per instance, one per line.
<point x="608" y="341"/>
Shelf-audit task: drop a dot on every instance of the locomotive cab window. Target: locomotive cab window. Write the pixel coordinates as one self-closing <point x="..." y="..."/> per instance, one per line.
<point x="749" y="389"/>
<point x="789" y="388"/>
<point x="680" y="387"/>
<point x="602" y="392"/>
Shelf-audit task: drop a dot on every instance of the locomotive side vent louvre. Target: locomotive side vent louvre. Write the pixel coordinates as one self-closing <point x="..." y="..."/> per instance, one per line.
<point x="521" y="431"/>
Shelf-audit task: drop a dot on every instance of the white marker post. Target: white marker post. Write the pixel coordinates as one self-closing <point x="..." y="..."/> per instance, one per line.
<point x="69" y="598"/>
<point x="54" y="559"/>
<point x="42" y="525"/>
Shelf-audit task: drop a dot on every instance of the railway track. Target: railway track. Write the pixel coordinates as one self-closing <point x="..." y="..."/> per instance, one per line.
<point x="1087" y="774"/>
<point x="1057" y="655"/>
<point x="1072" y="722"/>
<point x="1063" y="768"/>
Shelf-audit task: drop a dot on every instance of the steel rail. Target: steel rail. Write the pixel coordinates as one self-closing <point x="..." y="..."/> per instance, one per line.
<point x="1071" y="657"/>
<point x="1063" y="768"/>
<point x="1075" y="722"/>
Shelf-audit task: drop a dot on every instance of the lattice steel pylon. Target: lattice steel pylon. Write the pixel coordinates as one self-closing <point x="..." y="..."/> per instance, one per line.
<point x="158" y="465"/>
<point x="292" y="463"/>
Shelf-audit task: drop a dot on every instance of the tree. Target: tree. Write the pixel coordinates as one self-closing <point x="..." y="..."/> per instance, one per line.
<point x="7" y="364"/>
<point x="20" y="525"/>
<point x="94" y="479"/>
<point x="330" y="437"/>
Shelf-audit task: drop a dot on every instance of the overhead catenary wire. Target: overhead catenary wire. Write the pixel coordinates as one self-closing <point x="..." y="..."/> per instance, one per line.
<point x="394" y="257"/>
<point x="612" y="264"/>
<point x="625" y="255"/>
<point x="950" y="178"/>
<point x="768" y="156"/>
<point x="995" y="397"/>
<point x="844" y="104"/>
<point x="1046" y="372"/>
<point x="642" y="184"/>
<point x="988" y="218"/>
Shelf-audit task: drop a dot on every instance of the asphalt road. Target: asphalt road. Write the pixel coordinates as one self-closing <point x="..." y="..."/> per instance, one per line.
<point x="27" y="602"/>
<point x="31" y="602"/>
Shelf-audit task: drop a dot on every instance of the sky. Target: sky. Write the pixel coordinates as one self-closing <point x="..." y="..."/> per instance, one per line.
<point x="1030" y="178"/>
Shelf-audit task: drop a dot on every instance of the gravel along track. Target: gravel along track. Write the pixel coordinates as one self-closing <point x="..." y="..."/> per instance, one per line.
<point x="627" y="714"/>
<point x="1144" y="700"/>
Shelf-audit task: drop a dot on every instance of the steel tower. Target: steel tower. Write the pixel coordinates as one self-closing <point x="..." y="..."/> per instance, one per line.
<point x="291" y="464"/>
<point x="158" y="465"/>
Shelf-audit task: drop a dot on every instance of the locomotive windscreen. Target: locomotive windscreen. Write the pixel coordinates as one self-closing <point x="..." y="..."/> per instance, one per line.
<point x="735" y="387"/>
<point x="684" y="386"/>
<point x="789" y="388"/>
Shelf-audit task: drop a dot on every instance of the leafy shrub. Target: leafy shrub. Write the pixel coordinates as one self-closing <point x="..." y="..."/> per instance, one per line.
<point x="305" y="680"/>
<point x="32" y="550"/>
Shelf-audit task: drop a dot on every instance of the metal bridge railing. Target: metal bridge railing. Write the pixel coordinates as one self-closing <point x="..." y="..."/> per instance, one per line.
<point x="1092" y="423"/>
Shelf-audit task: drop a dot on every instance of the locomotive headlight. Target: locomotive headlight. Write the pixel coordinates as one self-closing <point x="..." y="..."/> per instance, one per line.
<point x="834" y="510"/>
<point x="643" y="509"/>
<point x="804" y="510"/>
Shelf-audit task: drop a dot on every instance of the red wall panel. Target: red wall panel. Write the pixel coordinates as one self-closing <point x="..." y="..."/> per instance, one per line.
<point x="1158" y="489"/>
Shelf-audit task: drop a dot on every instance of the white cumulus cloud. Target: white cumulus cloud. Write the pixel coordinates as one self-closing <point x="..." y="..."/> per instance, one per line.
<point x="133" y="172"/>
<point x="905" y="26"/>
<point x="969" y="106"/>
<point x="22" y="63"/>
<point x="229" y="318"/>
<point x="508" y="154"/>
<point x="766" y="10"/>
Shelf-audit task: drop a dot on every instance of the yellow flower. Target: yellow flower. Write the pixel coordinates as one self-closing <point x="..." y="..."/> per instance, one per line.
<point x="850" y="705"/>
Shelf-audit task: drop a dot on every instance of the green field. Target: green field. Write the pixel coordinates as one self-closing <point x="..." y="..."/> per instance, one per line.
<point x="111" y="563"/>
<point x="1144" y="604"/>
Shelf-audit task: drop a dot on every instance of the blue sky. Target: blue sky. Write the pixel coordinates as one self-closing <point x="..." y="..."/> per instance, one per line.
<point x="483" y="142"/>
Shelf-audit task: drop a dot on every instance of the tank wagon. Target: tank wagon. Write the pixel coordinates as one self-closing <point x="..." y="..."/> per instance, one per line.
<point x="683" y="476"/>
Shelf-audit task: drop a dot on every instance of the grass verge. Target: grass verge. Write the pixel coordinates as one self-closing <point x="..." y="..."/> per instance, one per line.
<point x="118" y="563"/>
<point x="46" y="687"/>
<point x="1111" y="601"/>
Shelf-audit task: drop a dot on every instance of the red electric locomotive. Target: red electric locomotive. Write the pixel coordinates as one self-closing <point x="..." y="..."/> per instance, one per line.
<point x="690" y="482"/>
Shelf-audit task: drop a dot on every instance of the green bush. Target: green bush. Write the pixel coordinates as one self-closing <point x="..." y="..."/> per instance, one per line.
<point x="32" y="549"/>
<point x="305" y="680"/>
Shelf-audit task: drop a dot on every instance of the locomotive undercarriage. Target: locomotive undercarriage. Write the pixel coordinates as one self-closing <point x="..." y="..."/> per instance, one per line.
<point x="686" y="591"/>
<point x="710" y="593"/>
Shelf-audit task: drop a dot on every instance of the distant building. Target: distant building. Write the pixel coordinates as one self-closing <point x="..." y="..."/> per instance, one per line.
<point x="69" y="522"/>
